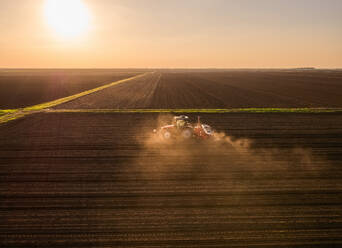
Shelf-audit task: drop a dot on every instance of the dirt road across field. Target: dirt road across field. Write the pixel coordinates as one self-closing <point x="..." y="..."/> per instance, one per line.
<point x="102" y="180"/>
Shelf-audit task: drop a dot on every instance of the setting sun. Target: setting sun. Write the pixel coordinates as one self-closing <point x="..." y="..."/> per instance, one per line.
<point x="170" y="123"/>
<point x="69" y="18"/>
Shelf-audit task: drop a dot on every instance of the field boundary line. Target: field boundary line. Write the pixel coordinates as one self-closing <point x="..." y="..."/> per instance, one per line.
<point x="7" y="111"/>
<point x="78" y="95"/>
<point x="12" y="114"/>
<point x="209" y="111"/>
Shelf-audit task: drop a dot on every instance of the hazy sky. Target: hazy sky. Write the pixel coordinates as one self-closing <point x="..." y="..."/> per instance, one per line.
<point x="176" y="33"/>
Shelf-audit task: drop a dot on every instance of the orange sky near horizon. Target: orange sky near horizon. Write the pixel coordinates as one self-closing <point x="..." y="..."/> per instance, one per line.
<point x="172" y="34"/>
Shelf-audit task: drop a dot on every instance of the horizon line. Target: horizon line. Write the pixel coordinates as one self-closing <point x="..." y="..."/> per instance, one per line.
<point x="174" y="68"/>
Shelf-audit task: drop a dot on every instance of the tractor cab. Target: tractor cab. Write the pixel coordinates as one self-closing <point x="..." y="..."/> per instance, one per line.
<point x="181" y="122"/>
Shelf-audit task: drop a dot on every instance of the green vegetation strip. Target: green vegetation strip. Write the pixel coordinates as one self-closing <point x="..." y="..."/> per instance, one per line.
<point x="209" y="111"/>
<point x="12" y="114"/>
<point x="73" y="97"/>
<point x="9" y="115"/>
<point x="7" y="111"/>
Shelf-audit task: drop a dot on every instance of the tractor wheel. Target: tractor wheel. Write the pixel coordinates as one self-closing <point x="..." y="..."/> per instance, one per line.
<point x="166" y="135"/>
<point x="187" y="133"/>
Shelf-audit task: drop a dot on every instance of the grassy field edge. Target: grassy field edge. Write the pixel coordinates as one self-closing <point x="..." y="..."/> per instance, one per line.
<point x="7" y="111"/>
<point x="12" y="114"/>
<point x="84" y="93"/>
<point x="214" y="111"/>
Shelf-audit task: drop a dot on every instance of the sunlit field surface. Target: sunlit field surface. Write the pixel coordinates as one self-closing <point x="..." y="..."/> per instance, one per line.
<point x="103" y="180"/>
<point x="148" y="123"/>
<point x="22" y="88"/>
<point x="78" y="173"/>
<point x="196" y="89"/>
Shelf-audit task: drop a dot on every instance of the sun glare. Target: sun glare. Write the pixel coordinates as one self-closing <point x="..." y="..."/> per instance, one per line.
<point x="69" y="18"/>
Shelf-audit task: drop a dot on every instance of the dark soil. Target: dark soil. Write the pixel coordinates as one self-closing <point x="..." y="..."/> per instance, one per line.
<point x="221" y="89"/>
<point x="22" y="88"/>
<point x="99" y="180"/>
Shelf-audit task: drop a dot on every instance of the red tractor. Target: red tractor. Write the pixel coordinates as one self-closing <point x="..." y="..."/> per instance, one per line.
<point x="181" y="127"/>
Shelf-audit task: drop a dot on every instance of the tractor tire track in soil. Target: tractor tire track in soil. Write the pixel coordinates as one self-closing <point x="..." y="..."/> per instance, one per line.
<point x="95" y="180"/>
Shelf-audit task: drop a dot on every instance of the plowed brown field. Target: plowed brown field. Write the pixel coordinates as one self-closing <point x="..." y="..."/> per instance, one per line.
<point x="221" y="89"/>
<point x="100" y="180"/>
<point x="22" y="88"/>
